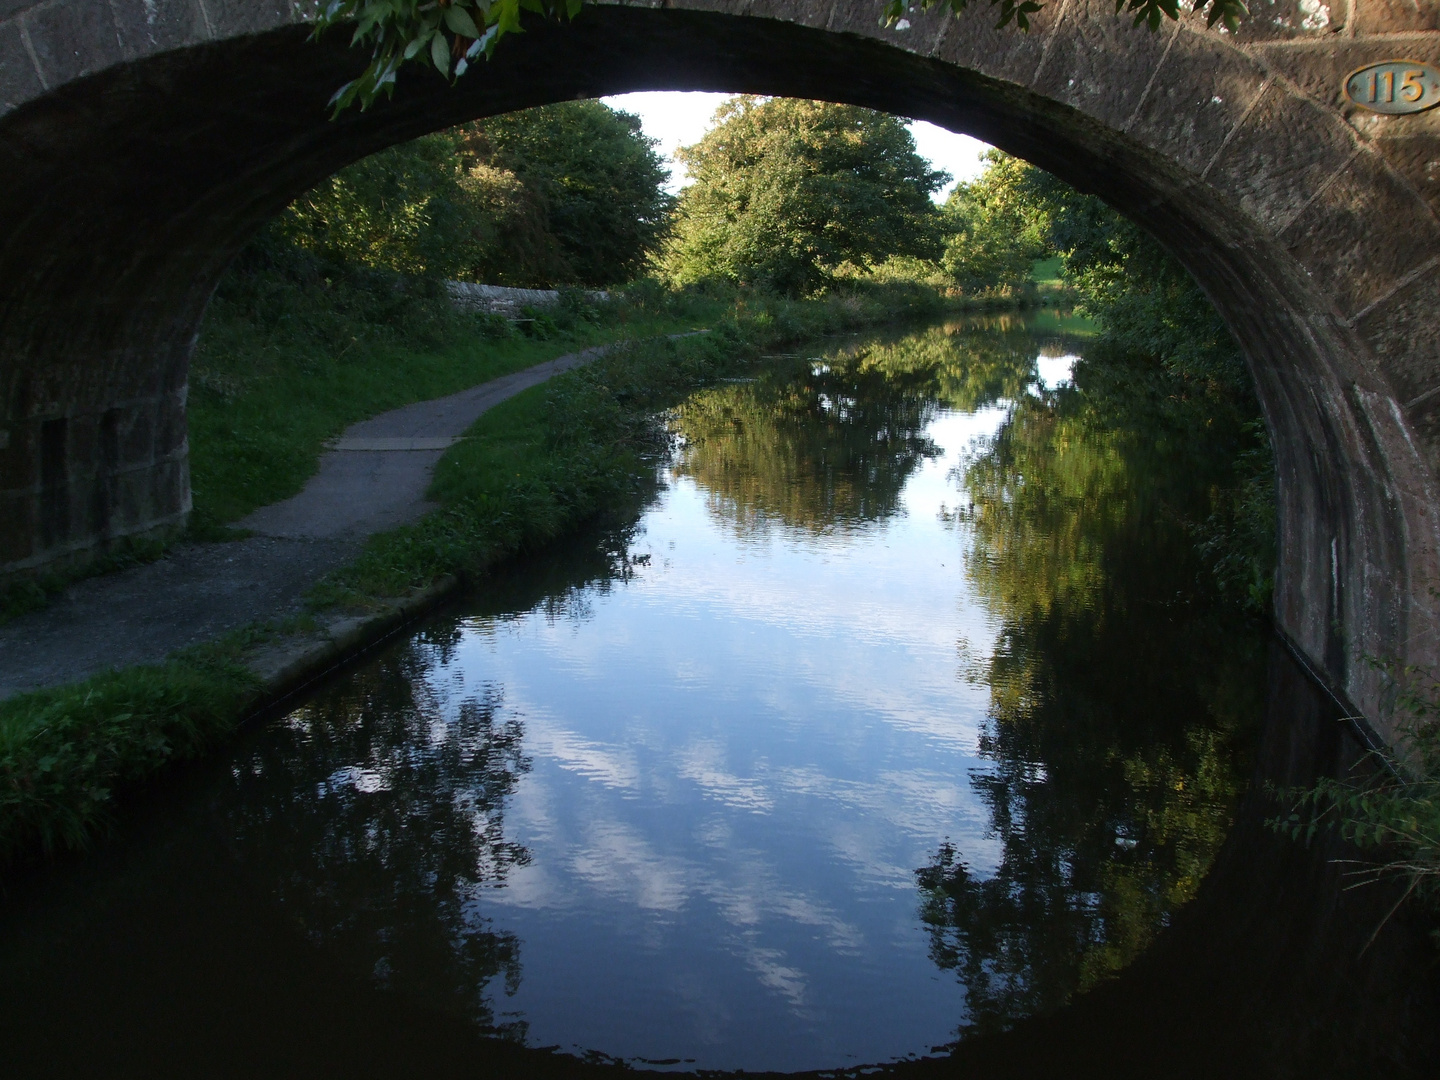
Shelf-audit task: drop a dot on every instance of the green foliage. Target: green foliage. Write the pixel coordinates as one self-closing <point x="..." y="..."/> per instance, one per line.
<point x="567" y="193"/>
<point x="788" y="192"/>
<point x="1160" y="335"/>
<point x="447" y="37"/>
<point x="294" y="349"/>
<point x="65" y="752"/>
<point x="993" y="238"/>
<point x="597" y="178"/>
<point x="540" y="463"/>
<point x="1389" y="807"/>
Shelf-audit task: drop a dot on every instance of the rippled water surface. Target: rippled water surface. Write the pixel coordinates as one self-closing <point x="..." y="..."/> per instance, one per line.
<point x="902" y="711"/>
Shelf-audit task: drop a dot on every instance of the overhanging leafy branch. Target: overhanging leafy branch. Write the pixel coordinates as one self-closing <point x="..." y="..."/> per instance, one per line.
<point x="445" y="34"/>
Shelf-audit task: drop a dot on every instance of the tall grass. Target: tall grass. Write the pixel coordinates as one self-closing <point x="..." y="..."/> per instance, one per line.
<point x="66" y="752"/>
<point x="1389" y="806"/>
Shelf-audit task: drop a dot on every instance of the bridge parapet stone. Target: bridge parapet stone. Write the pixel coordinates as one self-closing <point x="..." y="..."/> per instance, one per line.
<point x="19" y="81"/>
<point x="236" y="18"/>
<point x="1396" y="16"/>
<point x="1098" y="64"/>
<point x="71" y="40"/>
<point x="1281" y="153"/>
<point x="973" y="42"/>
<point x="1404" y="335"/>
<point x="1197" y="100"/>
<point x="1363" y="234"/>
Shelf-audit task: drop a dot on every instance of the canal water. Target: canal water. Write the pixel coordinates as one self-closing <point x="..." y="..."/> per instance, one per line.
<point x="904" y="709"/>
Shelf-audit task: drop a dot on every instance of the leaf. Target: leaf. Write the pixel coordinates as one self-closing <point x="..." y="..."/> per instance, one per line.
<point x="459" y="21"/>
<point x="440" y="54"/>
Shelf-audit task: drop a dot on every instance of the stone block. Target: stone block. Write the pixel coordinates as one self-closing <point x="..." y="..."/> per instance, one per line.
<point x="72" y="38"/>
<point x="1319" y="70"/>
<point x="862" y="17"/>
<point x="133" y="503"/>
<point x="1396" y="16"/>
<point x="1416" y="157"/>
<point x="82" y="451"/>
<point x="19" y="456"/>
<point x="14" y="7"/>
<point x="18" y="527"/>
<point x="18" y="79"/>
<point x="971" y="40"/>
<point x="814" y="13"/>
<point x="1363" y="233"/>
<point x="1287" y="147"/>
<point x="1200" y="93"/>
<point x="157" y="494"/>
<point x="236" y="18"/>
<point x="151" y="26"/>
<point x="134" y="437"/>
<point x="1404" y="332"/>
<point x="169" y="423"/>
<point x="1100" y="63"/>
<point x="1289" y="20"/>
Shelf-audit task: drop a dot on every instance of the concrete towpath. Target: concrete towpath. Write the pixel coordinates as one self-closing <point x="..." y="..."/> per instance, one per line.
<point x="374" y="478"/>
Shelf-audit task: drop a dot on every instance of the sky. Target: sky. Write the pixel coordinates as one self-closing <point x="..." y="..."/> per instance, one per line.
<point x="680" y="119"/>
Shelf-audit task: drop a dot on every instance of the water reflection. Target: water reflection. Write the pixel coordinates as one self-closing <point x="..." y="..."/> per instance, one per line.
<point x="377" y="814"/>
<point x="1122" y="701"/>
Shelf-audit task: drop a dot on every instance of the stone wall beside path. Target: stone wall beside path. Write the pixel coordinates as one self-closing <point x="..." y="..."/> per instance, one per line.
<point x="501" y="300"/>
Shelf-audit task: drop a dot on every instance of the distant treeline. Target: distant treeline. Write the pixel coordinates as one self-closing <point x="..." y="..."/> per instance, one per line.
<point x="567" y="194"/>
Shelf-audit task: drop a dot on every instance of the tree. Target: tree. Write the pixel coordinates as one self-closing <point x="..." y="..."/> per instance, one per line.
<point x="992" y="238"/>
<point x="1158" y="330"/>
<point x="596" y="175"/>
<point x="786" y="192"/>
<point x="566" y="194"/>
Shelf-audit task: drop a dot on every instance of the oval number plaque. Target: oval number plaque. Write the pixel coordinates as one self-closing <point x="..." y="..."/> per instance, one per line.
<point x="1394" y="86"/>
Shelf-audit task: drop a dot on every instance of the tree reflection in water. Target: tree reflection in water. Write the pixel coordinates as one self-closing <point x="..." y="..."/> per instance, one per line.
<point x="1122" y="693"/>
<point x="381" y="861"/>
<point x="828" y="444"/>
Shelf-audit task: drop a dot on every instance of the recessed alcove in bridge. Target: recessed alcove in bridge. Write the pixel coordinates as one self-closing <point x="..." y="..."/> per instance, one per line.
<point x="142" y="144"/>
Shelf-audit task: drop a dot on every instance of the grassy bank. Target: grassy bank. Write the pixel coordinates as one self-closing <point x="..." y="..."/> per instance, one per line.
<point x="532" y="469"/>
<point x="296" y="350"/>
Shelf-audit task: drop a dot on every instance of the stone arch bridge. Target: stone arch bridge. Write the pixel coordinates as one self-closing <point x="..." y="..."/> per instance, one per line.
<point x="143" y="141"/>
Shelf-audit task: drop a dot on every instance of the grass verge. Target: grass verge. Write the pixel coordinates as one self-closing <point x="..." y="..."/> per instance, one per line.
<point x="65" y="752"/>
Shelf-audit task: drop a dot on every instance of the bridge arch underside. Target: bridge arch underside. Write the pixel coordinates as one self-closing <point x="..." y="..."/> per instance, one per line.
<point x="136" y="168"/>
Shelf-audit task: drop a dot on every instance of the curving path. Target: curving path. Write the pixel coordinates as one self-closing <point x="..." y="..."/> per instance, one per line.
<point x="374" y="478"/>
